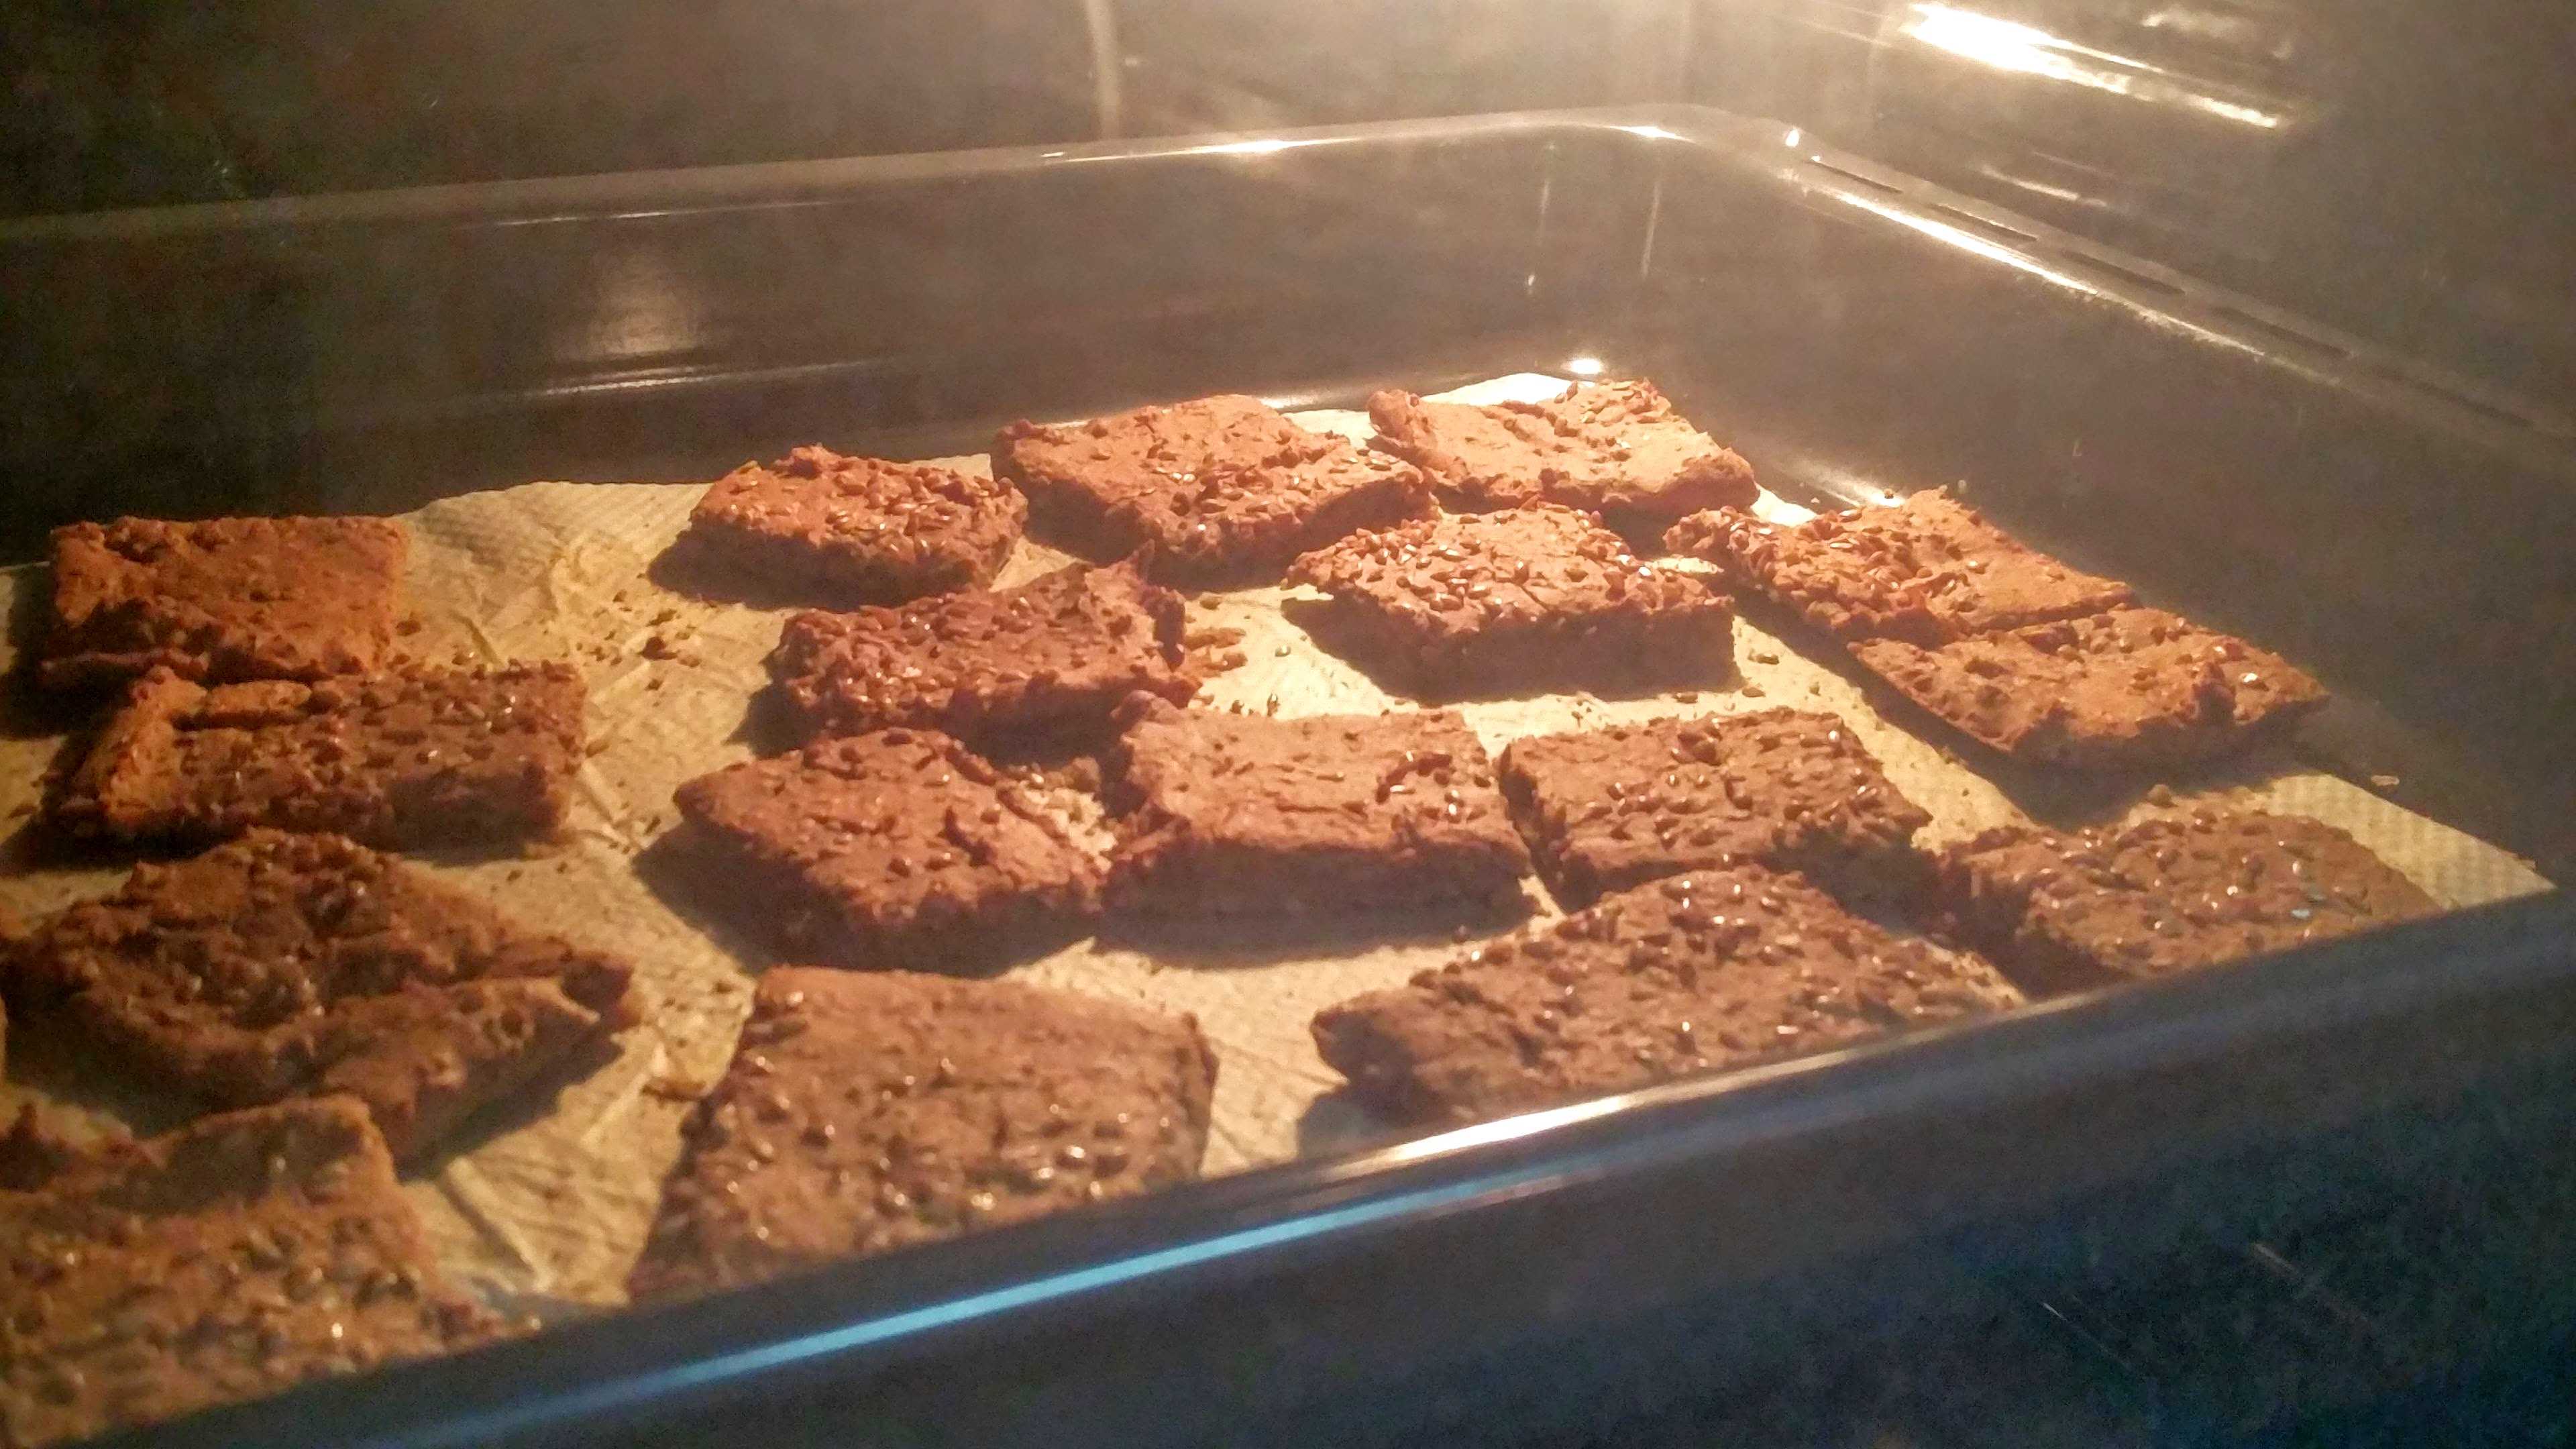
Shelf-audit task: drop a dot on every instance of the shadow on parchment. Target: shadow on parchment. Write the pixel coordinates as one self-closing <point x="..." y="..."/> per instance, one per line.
<point x="1611" y="675"/>
<point x="529" y="1103"/>
<point x="1338" y="1122"/>
<point x="702" y="881"/>
<point x="60" y="1064"/>
<point x="1236" y="941"/>
<point x="28" y="710"/>
<point x="63" y="1066"/>
<point x="2060" y="798"/>
<point x="700" y="570"/>
<point x="769" y="725"/>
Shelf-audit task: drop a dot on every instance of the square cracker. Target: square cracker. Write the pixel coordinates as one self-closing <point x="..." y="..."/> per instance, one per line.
<point x="1536" y="597"/>
<point x="1711" y="970"/>
<point x="222" y="599"/>
<point x="1607" y="809"/>
<point x="1056" y="653"/>
<point x="1618" y="449"/>
<point x="1234" y="813"/>
<point x="865" y="529"/>
<point x="899" y="848"/>
<point x="1927" y="570"/>
<point x="234" y="1258"/>
<point x="282" y="966"/>
<point x="409" y="757"/>
<point x="2167" y="894"/>
<point x="1216" y="490"/>
<point x="868" y="1111"/>
<point x="2123" y="690"/>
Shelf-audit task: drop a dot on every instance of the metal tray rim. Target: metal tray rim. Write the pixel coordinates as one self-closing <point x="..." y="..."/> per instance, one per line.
<point x="857" y="1321"/>
<point x="1036" y="1278"/>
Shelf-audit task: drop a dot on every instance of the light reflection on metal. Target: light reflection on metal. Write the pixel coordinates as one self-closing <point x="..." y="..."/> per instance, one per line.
<point x="2028" y="50"/>
<point x="644" y="312"/>
<point x="2020" y="261"/>
<point x="2067" y="194"/>
<point x="1968" y="241"/>
<point x="1652" y="133"/>
<point x="1484" y="1134"/>
<point x="1792" y="139"/>
<point x="1583" y="366"/>
<point x="1418" y="1203"/>
<point x="1108" y="104"/>
<point x="598" y="1396"/>
<point x="1266" y="146"/>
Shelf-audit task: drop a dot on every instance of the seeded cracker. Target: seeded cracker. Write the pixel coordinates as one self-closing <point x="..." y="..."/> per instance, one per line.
<point x="1927" y="570"/>
<point x="410" y="757"/>
<point x="1058" y="652"/>
<point x="222" y="599"/>
<point x="900" y="848"/>
<point x="869" y="1111"/>
<point x="1231" y="814"/>
<point x="2128" y="689"/>
<point x="231" y="1259"/>
<point x="1711" y="970"/>
<point x="1217" y="490"/>
<point x="280" y="965"/>
<point x="1537" y="597"/>
<point x="1615" y="448"/>
<point x="2065" y="912"/>
<point x="862" y="528"/>
<point x="1611" y="808"/>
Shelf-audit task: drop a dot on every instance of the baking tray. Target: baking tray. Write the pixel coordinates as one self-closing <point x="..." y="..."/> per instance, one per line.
<point x="587" y="573"/>
<point x="1851" y="331"/>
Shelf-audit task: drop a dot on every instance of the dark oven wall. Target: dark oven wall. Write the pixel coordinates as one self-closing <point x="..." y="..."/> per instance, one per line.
<point x="2394" y="169"/>
<point x="138" y="104"/>
<point x="133" y="104"/>
<point x="2391" y="167"/>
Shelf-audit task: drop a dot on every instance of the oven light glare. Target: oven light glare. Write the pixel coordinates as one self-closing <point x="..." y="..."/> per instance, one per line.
<point x="1583" y="366"/>
<point x="1266" y="146"/>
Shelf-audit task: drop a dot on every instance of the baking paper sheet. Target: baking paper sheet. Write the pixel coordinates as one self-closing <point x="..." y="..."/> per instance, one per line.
<point x="546" y="1211"/>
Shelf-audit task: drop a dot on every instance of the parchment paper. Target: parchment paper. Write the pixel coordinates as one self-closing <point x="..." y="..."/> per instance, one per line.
<point x="545" y="1211"/>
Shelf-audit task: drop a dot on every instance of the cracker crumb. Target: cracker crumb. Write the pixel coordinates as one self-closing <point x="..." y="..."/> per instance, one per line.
<point x="675" y="1088"/>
